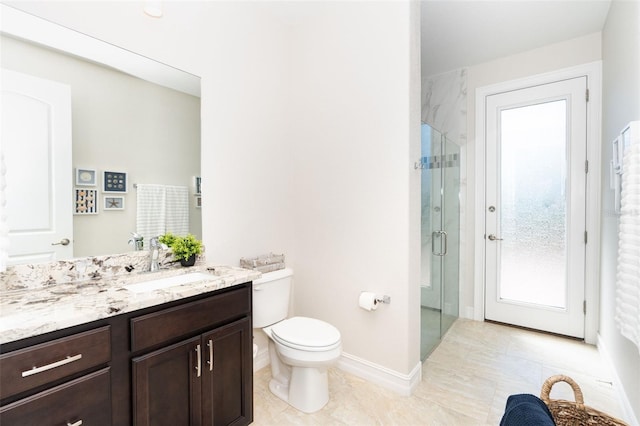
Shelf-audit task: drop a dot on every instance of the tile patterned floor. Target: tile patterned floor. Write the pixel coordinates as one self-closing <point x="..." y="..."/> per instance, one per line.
<point x="465" y="381"/>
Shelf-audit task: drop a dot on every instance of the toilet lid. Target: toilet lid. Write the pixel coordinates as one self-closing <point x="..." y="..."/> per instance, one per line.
<point x="306" y="333"/>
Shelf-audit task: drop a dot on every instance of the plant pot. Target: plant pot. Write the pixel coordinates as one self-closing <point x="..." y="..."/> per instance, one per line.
<point x="188" y="262"/>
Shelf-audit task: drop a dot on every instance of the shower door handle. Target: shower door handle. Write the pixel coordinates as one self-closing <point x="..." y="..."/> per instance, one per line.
<point x="443" y="234"/>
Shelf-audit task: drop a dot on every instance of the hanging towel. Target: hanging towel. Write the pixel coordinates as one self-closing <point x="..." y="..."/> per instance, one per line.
<point x="162" y="209"/>
<point x="177" y="210"/>
<point x="151" y="212"/>
<point x="4" y="225"/>
<point x="627" y="314"/>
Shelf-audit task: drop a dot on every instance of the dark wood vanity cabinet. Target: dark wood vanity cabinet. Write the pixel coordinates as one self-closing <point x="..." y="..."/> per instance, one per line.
<point x="205" y="380"/>
<point x="83" y="401"/>
<point x="44" y="369"/>
<point x="185" y="362"/>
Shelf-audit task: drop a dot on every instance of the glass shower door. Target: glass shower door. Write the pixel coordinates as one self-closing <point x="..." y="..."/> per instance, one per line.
<point x="440" y="224"/>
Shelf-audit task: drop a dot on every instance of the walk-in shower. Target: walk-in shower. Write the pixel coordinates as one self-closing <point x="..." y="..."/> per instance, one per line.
<point x="440" y="239"/>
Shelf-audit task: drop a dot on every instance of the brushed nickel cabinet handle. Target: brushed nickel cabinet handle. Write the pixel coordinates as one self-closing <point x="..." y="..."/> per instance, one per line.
<point x="210" y="344"/>
<point x="198" y="361"/>
<point x="78" y="423"/>
<point x="36" y="370"/>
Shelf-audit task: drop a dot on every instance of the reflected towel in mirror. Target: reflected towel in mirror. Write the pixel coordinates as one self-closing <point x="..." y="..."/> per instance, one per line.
<point x="162" y="209"/>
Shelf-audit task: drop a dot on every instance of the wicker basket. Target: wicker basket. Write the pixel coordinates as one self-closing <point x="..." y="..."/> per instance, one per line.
<point x="568" y="413"/>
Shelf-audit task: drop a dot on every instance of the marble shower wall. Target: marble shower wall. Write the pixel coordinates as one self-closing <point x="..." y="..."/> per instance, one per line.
<point x="444" y="104"/>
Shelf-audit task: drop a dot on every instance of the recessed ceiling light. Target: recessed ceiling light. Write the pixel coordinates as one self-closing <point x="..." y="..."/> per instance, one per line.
<point x="153" y="9"/>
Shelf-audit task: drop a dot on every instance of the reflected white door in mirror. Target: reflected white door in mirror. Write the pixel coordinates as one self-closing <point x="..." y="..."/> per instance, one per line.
<point x="36" y="126"/>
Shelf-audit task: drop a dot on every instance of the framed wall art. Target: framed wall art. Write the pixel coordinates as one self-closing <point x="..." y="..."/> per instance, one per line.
<point x="113" y="202"/>
<point x="197" y="180"/>
<point x="86" y="177"/>
<point x="86" y="201"/>
<point x="115" y="182"/>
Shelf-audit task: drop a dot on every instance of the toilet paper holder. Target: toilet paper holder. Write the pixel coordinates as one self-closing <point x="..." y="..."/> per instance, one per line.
<point x="369" y="301"/>
<point x="383" y="299"/>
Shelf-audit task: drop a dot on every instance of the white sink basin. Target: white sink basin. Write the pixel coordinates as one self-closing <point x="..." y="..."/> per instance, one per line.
<point x="161" y="283"/>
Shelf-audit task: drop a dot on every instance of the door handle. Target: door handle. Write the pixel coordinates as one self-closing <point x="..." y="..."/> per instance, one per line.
<point x="443" y="234"/>
<point x="434" y="234"/>
<point x="494" y="238"/>
<point x="62" y="242"/>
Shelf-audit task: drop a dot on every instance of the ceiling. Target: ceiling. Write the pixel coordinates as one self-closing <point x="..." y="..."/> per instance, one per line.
<point x="458" y="33"/>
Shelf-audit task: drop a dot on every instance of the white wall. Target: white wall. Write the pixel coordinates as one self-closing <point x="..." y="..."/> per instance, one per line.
<point x="621" y="104"/>
<point x="356" y="123"/>
<point x="566" y="54"/>
<point x="310" y="126"/>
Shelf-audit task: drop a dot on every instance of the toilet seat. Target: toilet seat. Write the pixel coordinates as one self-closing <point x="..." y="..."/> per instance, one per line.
<point x="306" y="334"/>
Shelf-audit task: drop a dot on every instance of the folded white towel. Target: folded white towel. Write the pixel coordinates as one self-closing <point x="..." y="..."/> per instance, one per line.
<point x="627" y="314"/>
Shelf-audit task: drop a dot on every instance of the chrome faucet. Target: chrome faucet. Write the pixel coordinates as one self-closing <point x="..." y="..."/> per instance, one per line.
<point x="136" y="241"/>
<point x="154" y="249"/>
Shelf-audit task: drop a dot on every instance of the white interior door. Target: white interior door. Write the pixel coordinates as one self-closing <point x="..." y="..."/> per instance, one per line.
<point x="535" y="206"/>
<point x="36" y="125"/>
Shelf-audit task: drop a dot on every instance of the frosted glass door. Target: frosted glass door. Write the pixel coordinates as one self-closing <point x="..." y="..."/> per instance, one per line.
<point x="535" y="212"/>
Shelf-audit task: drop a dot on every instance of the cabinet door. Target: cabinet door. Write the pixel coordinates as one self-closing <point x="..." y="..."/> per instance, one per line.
<point x="166" y="385"/>
<point x="227" y="386"/>
<point x="86" y="400"/>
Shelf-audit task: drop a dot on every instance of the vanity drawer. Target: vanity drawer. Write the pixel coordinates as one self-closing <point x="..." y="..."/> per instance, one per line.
<point x="162" y="326"/>
<point x="38" y="365"/>
<point x="83" y="401"/>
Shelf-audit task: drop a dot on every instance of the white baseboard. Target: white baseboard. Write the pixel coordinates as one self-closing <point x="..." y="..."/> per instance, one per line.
<point x="403" y="384"/>
<point x="629" y="415"/>
<point x="469" y="313"/>
<point x="261" y="360"/>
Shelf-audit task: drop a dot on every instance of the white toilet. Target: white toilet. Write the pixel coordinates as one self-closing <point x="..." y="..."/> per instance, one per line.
<point x="301" y="349"/>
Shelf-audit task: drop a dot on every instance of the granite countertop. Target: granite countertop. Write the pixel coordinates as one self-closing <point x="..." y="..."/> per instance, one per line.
<point x="33" y="311"/>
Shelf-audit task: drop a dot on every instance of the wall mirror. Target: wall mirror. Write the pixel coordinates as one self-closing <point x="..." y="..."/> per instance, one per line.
<point x="131" y="117"/>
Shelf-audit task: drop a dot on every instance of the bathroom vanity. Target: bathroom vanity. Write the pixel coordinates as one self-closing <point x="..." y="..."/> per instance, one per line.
<point x="175" y="356"/>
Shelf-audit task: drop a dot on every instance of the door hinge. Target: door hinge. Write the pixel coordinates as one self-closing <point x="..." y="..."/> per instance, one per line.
<point x="586" y="166"/>
<point x="584" y="307"/>
<point x="586" y="95"/>
<point x="585" y="237"/>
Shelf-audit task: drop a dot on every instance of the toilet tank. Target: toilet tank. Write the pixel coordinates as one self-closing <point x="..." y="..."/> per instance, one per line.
<point x="271" y="294"/>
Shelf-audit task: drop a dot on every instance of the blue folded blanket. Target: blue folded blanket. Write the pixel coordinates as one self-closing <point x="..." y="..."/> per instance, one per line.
<point x="526" y="410"/>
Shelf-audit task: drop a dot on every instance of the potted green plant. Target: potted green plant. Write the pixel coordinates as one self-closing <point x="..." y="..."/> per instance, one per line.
<point x="167" y="239"/>
<point x="185" y="249"/>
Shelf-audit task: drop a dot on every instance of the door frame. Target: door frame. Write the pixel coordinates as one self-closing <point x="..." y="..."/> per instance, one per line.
<point x="593" y="72"/>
